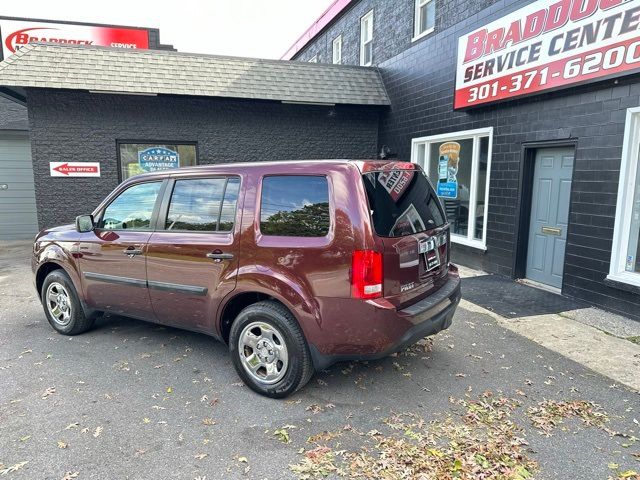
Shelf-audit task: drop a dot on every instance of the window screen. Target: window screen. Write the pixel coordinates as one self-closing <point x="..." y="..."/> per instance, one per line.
<point x="295" y="206"/>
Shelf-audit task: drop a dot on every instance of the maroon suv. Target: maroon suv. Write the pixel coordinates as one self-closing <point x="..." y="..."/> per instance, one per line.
<point x="294" y="265"/>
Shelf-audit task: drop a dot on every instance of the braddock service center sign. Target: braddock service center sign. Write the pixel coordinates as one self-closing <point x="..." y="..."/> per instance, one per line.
<point x="548" y="45"/>
<point x="16" y="33"/>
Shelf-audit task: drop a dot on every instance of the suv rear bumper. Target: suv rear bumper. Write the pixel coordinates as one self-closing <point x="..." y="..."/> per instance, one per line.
<point x="425" y="317"/>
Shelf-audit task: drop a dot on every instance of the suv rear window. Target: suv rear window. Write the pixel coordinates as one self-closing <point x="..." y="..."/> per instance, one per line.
<point x="295" y="206"/>
<point x="402" y="202"/>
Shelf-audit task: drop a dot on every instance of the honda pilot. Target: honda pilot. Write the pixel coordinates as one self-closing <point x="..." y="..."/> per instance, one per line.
<point x="293" y="265"/>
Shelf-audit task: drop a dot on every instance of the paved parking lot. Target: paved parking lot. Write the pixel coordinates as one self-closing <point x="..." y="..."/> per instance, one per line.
<point x="135" y="400"/>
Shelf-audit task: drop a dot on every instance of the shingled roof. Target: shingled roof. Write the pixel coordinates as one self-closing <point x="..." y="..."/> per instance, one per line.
<point x="174" y="73"/>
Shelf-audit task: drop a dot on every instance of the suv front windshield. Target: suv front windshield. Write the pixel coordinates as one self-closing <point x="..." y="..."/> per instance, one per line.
<point x="402" y="202"/>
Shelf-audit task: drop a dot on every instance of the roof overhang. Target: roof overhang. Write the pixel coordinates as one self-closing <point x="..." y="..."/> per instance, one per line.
<point x="15" y="94"/>
<point x="149" y="72"/>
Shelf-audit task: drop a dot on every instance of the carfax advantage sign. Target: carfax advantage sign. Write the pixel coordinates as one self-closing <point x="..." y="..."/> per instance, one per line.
<point x="16" y="33"/>
<point x="549" y="44"/>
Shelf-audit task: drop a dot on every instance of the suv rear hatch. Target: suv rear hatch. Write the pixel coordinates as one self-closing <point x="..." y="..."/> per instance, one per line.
<point x="411" y="231"/>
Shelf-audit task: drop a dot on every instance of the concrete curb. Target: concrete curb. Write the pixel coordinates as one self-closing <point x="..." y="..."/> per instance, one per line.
<point x="613" y="357"/>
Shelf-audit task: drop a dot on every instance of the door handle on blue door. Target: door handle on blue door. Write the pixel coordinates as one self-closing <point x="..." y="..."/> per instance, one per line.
<point x="219" y="256"/>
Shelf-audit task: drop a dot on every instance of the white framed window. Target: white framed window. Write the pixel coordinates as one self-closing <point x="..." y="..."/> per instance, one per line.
<point x="314" y="59"/>
<point x="625" y="252"/>
<point x="459" y="166"/>
<point x="337" y="50"/>
<point x="425" y="18"/>
<point x="366" y="40"/>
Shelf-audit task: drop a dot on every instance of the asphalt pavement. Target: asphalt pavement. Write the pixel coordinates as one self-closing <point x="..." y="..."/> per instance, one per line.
<point x="133" y="400"/>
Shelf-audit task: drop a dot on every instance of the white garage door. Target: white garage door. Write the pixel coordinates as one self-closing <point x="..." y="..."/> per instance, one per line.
<point x="18" y="218"/>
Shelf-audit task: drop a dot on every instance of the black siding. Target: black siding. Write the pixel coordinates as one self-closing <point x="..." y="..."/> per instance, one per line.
<point x="80" y="126"/>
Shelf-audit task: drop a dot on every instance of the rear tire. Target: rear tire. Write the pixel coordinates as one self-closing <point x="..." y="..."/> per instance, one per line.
<point x="62" y="305"/>
<point x="269" y="351"/>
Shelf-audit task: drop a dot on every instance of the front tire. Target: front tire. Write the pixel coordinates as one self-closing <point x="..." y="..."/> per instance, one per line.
<point x="269" y="351"/>
<point x="62" y="305"/>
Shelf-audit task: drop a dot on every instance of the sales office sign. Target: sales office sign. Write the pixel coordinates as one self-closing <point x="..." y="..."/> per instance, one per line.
<point x="74" y="169"/>
<point x="548" y="45"/>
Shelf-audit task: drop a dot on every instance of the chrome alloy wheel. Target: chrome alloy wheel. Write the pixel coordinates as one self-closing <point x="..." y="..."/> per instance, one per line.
<point x="263" y="353"/>
<point x="58" y="303"/>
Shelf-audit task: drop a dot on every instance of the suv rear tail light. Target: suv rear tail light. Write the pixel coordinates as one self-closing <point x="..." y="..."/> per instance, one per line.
<point x="366" y="274"/>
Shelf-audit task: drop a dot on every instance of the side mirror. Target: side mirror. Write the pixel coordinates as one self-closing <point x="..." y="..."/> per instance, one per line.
<point x="84" y="223"/>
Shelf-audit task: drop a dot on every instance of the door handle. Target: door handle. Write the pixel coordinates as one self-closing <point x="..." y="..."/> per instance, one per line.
<point x="132" y="252"/>
<point x="220" y="256"/>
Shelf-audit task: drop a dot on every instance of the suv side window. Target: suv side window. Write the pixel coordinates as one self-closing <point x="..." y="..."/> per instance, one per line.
<point x="295" y="206"/>
<point x="132" y="209"/>
<point x="203" y="204"/>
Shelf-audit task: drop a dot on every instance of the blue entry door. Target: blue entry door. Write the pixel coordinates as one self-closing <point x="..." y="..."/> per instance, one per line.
<point x="549" y="215"/>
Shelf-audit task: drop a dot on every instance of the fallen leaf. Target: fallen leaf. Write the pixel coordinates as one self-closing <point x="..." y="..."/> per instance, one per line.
<point x="13" y="468"/>
<point x="70" y="475"/>
<point x="282" y="435"/>
<point x="97" y="431"/>
<point x="243" y="459"/>
<point x="208" y="421"/>
<point x="72" y="425"/>
<point x="49" y="391"/>
<point x="146" y="420"/>
<point x="169" y="390"/>
<point x="201" y="456"/>
<point x="62" y="445"/>
<point x="314" y="408"/>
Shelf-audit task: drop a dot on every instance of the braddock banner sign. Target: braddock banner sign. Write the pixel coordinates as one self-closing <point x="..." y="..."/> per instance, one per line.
<point x="548" y="45"/>
<point x="17" y="33"/>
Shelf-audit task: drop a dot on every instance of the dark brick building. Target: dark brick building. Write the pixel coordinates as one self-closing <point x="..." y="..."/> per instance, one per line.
<point x="114" y="109"/>
<point x="18" y="209"/>
<point x="587" y="244"/>
<point x="536" y="164"/>
<point x="221" y="130"/>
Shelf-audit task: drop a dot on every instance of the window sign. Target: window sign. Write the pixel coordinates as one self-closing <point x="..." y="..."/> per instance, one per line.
<point x="395" y="182"/>
<point x="458" y="164"/>
<point x="449" y="159"/>
<point x="158" y="158"/>
<point x="625" y="253"/>
<point x="137" y="158"/>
